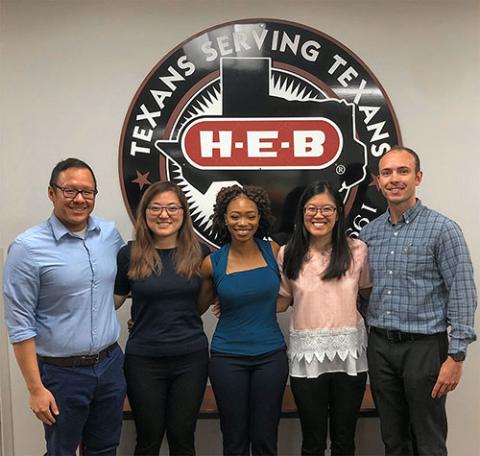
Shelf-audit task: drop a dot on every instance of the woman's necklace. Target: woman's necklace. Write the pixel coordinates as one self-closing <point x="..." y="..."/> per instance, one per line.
<point x="319" y="253"/>
<point x="324" y="250"/>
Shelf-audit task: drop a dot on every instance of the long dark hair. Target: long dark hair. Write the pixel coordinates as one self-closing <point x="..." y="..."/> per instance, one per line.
<point x="297" y="248"/>
<point x="144" y="258"/>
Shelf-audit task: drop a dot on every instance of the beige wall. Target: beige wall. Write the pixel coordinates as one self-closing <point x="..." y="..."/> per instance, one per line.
<point x="70" y="68"/>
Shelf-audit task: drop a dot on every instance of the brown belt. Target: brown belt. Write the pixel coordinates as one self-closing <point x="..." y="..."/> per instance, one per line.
<point x="74" y="361"/>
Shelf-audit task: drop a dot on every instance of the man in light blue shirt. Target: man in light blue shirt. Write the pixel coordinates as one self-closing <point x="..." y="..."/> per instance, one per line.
<point x="58" y="289"/>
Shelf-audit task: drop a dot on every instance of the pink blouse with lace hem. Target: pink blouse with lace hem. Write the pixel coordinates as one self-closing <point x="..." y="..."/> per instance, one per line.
<point x="322" y="304"/>
<point x="327" y="333"/>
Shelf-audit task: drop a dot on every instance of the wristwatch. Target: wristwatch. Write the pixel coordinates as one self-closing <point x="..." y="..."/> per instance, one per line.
<point x="459" y="356"/>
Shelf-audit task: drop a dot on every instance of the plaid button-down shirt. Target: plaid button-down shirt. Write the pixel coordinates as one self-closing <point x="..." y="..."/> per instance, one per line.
<point x="422" y="276"/>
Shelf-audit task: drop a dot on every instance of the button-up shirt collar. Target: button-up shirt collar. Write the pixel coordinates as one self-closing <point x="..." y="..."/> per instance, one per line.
<point x="422" y="276"/>
<point x="409" y="215"/>
<point x="58" y="287"/>
<point x="59" y="230"/>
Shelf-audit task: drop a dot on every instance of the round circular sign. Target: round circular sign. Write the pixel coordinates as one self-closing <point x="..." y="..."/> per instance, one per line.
<point x="259" y="102"/>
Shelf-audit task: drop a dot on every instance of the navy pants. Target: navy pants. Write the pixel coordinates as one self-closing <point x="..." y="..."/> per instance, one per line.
<point x="402" y="376"/>
<point x="330" y="400"/>
<point x="90" y="400"/>
<point x="249" y="392"/>
<point x="166" y="394"/>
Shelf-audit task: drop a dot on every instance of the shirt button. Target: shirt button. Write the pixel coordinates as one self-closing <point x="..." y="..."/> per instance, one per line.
<point x="388" y="312"/>
<point x="389" y="292"/>
<point x="392" y="252"/>
<point x="390" y="272"/>
<point x="395" y="234"/>
<point x="407" y="222"/>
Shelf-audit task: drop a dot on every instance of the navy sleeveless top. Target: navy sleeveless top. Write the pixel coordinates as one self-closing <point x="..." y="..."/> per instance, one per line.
<point x="248" y="322"/>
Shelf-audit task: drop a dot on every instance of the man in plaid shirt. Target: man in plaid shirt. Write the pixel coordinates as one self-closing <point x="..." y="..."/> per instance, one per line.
<point x="422" y="285"/>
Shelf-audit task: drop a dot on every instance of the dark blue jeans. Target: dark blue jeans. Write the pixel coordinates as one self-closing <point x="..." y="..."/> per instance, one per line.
<point x="90" y="400"/>
<point x="249" y="392"/>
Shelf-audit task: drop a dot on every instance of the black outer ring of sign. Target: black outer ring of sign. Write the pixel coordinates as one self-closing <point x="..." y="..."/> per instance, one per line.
<point x="147" y="79"/>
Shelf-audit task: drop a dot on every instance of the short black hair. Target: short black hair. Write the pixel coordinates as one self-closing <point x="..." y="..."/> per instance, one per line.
<point x="406" y="149"/>
<point x="67" y="164"/>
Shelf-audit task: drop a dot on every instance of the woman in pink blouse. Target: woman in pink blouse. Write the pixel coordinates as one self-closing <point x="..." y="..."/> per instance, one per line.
<point x="322" y="273"/>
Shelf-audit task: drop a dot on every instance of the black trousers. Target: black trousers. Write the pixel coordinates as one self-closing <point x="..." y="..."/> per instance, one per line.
<point x="331" y="397"/>
<point x="249" y="392"/>
<point x="402" y="376"/>
<point x="166" y="394"/>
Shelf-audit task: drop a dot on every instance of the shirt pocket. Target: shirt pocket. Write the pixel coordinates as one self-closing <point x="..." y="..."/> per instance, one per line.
<point x="417" y="259"/>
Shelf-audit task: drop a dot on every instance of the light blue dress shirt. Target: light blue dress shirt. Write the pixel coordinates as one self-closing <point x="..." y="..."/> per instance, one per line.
<point x="58" y="288"/>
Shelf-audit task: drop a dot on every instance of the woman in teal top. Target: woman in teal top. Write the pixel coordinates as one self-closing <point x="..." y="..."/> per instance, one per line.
<point x="248" y="367"/>
<point x="248" y="324"/>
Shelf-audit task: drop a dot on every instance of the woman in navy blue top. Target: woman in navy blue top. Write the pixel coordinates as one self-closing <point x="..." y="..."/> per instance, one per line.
<point x="248" y="367"/>
<point x="166" y="356"/>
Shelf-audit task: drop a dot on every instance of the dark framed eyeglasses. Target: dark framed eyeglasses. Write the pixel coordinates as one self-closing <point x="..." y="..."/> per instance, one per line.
<point x="71" y="193"/>
<point x="157" y="209"/>
<point x="312" y="211"/>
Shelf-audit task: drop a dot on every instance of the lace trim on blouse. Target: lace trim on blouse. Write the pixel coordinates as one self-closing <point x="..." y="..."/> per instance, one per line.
<point x="314" y="352"/>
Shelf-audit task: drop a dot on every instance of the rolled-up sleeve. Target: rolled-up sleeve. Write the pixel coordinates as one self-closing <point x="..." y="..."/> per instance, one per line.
<point x="456" y="268"/>
<point x="21" y="283"/>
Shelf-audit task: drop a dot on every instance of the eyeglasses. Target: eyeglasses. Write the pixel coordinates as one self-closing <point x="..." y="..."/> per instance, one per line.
<point x="326" y="211"/>
<point x="71" y="193"/>
<point x="172" y="209"/>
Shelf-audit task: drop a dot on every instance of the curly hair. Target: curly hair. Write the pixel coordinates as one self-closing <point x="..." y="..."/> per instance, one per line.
<point x="226" y="194"/>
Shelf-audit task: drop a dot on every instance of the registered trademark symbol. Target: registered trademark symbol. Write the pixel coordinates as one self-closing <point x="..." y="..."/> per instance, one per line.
<point x="286" y="130"/>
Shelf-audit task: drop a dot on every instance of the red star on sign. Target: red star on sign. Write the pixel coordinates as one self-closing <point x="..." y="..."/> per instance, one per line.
<point x="142" y="179"/>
